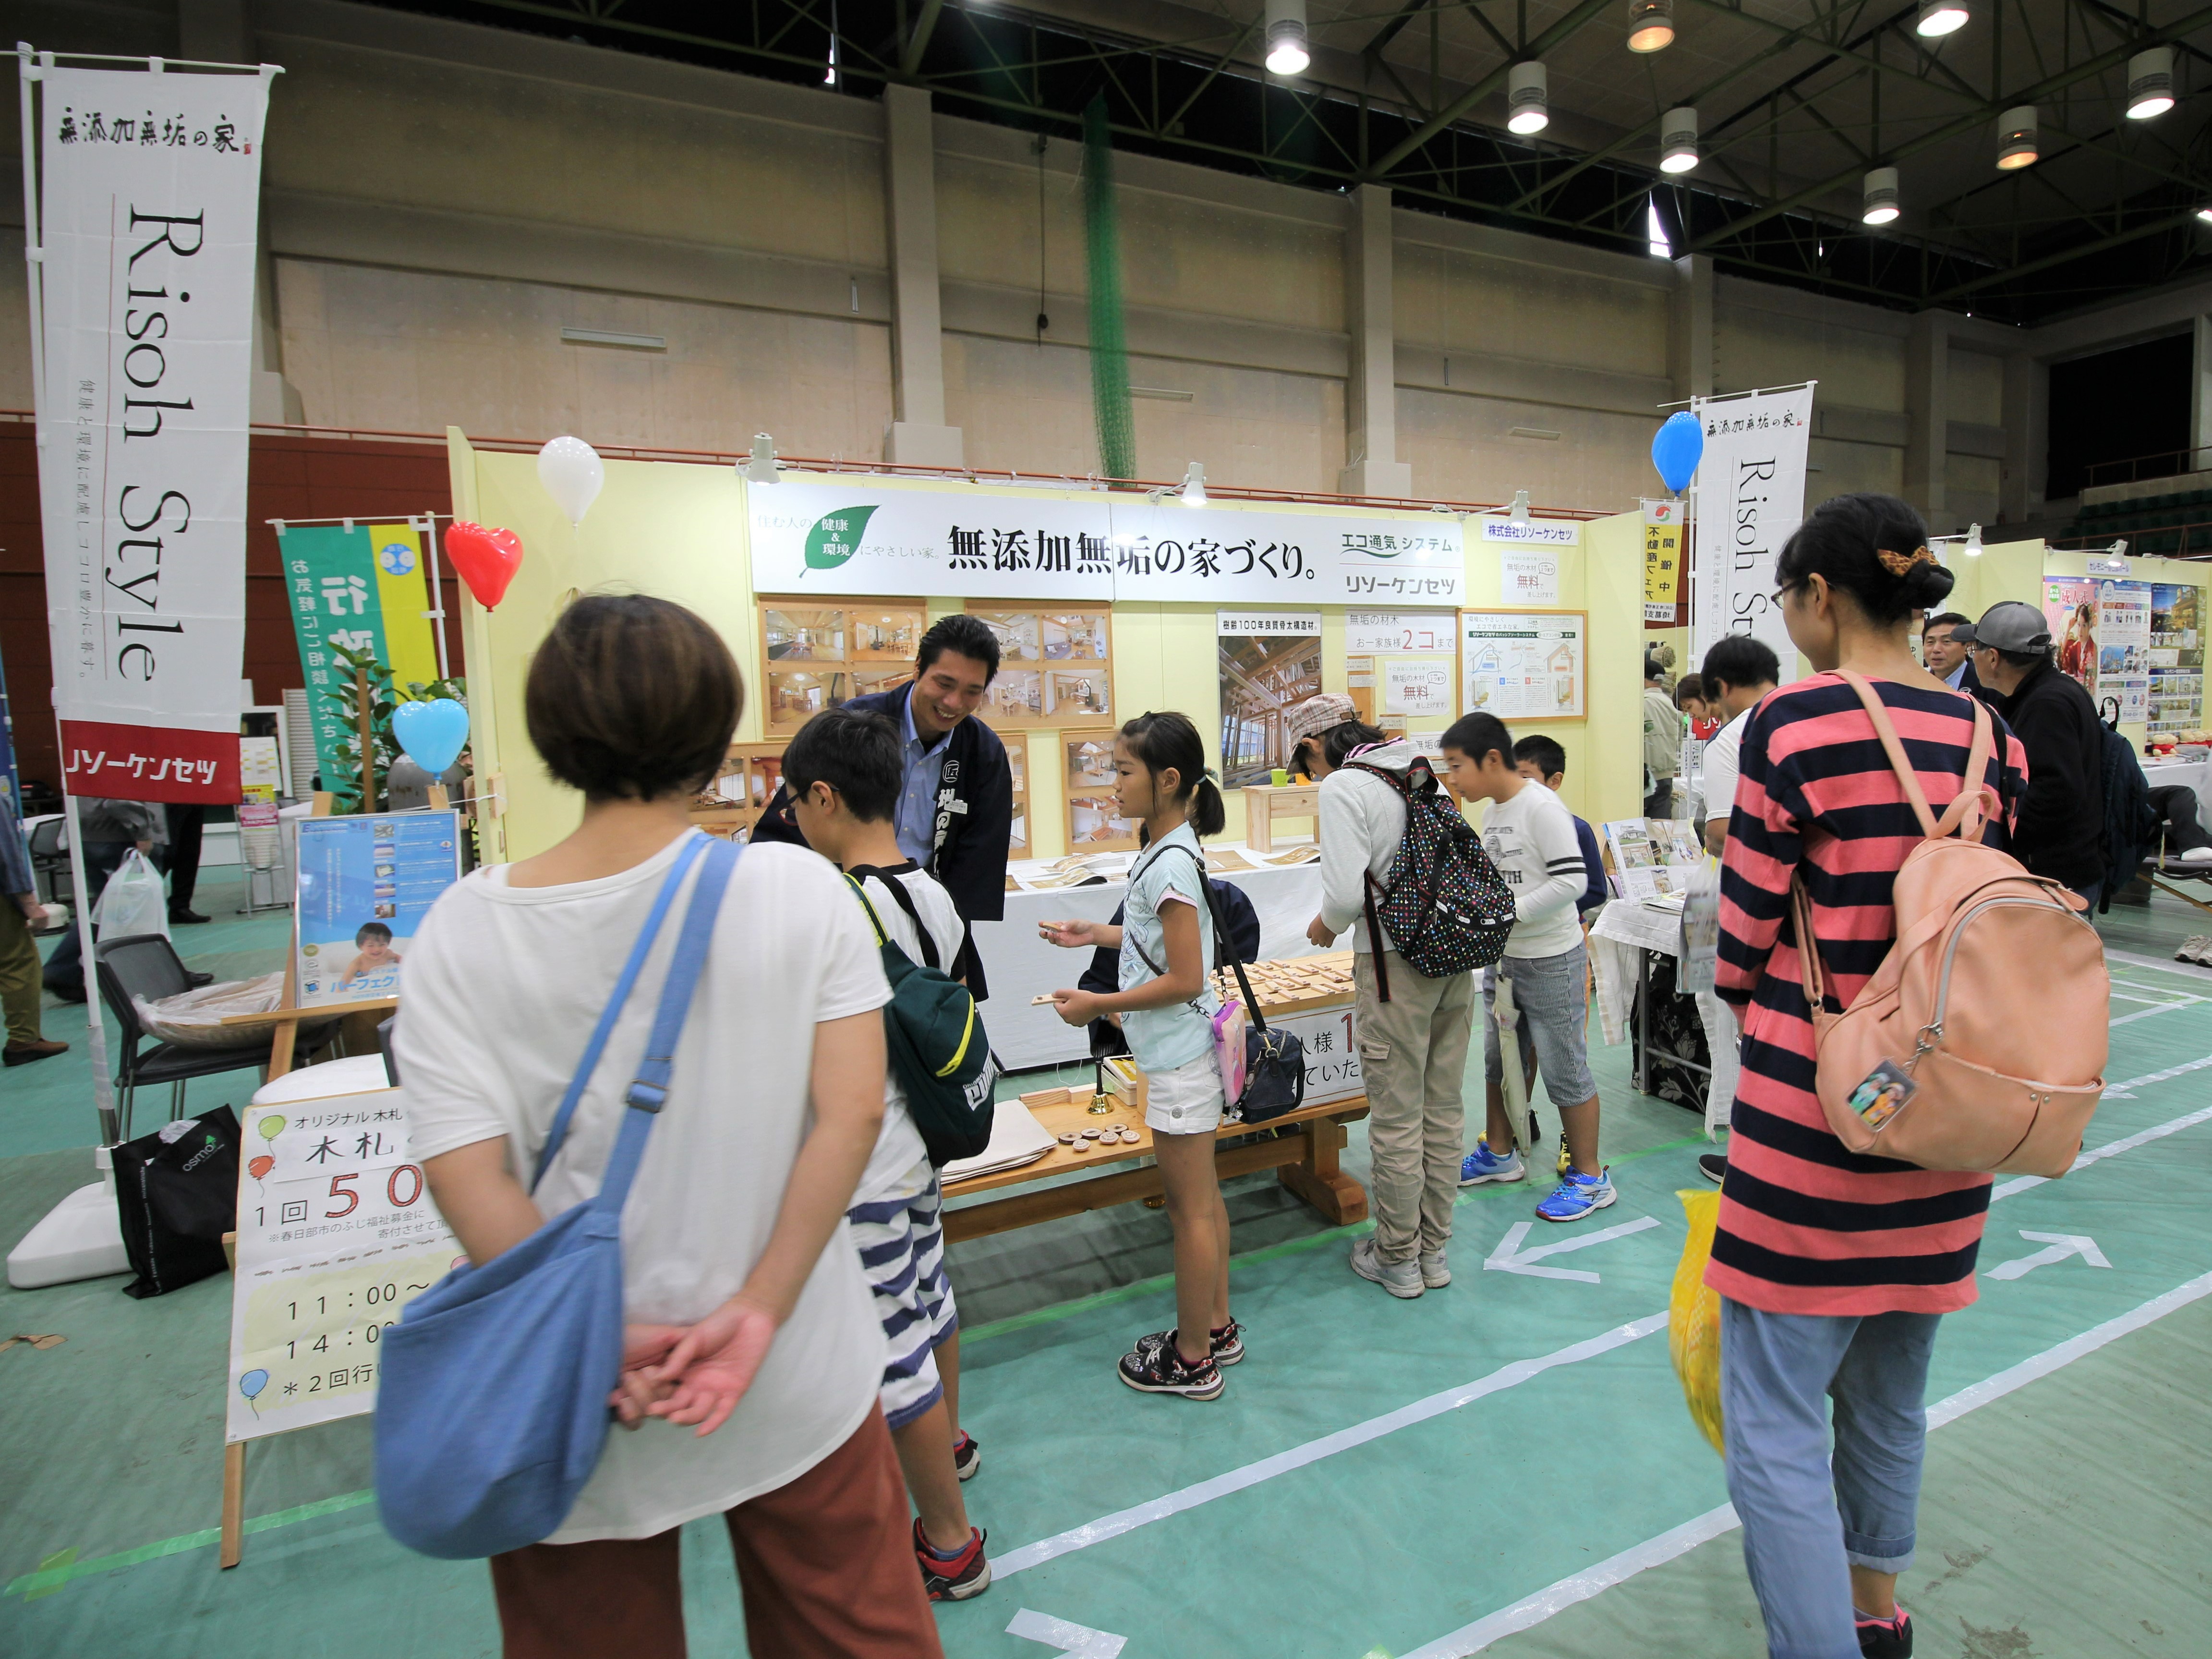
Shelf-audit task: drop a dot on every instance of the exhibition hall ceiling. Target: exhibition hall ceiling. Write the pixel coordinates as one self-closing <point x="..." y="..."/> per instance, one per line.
<point x="1799" y="105"/>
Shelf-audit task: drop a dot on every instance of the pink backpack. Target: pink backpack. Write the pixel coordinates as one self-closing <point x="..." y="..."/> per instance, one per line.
<point x="1980" y="1042"/>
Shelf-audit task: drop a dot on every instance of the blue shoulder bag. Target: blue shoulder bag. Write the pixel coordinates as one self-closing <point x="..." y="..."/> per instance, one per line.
<point x="491" y="1408"/>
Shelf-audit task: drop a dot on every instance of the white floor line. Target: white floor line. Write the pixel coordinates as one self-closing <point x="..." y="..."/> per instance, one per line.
<point x="1505" y="1376"/>
<point x="2162" y="1008"/>
<point x="1680" y="1540"/>
<point x="1298" y="1457"/>
<point x="2186" y="970"/>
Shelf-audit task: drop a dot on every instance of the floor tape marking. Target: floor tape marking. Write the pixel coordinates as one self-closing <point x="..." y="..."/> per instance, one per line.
<point x="1655" y="1552"/>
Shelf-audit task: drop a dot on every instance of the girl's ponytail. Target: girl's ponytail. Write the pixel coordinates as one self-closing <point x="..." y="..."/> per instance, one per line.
<point x="1206" y="813"/>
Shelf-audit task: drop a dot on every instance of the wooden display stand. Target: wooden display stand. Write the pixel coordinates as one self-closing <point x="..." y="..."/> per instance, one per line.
<point x="1265" y="802"/>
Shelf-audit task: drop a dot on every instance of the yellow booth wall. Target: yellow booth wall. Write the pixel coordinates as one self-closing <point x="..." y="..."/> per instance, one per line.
<point x="677" y="530"/>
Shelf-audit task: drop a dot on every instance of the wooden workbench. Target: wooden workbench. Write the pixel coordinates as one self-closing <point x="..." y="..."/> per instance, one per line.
<point x="1302" y="1150"/>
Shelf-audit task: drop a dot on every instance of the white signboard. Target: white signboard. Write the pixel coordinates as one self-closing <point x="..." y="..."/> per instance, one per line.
<point x="1418" y="688"/>
<point x="1262" y="624"/>
<point x="337" y="1234"/>
<point x="1330" y="1038"/>
<point x="1531" y="577"/>
<point x="1548" y="533"/>
<point x="150" y="197"/>
<point x="1524" y="666"/>
<point x="1400" y="633"/>
<point x="873" y="535"/>
<point x="1751" y="496"/>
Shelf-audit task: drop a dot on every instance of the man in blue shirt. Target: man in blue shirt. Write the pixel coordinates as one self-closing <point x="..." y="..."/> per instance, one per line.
<point x="955" y="803"/>
<point x="19" y="912"/>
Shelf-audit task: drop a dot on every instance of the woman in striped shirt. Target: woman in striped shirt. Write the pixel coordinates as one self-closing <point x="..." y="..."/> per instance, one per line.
<point x="1834" y="1267"/>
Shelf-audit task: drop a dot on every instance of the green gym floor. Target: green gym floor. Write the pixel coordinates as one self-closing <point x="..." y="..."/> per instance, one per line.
<point x="1503" y="1466"/>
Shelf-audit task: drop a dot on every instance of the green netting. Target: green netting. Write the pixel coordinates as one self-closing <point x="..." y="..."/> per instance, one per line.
<point x="1110" y="344"/>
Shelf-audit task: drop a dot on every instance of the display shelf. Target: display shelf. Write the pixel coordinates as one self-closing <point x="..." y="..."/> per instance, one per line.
<point x="733" y="802"/>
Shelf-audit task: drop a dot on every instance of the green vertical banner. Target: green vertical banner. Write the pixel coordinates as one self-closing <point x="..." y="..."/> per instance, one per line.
<point x="360" y="587"/>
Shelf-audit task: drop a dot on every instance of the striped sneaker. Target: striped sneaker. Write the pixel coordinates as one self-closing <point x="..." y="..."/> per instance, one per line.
<point x="966" y="1574"/>
<point x="967" y="1456"/>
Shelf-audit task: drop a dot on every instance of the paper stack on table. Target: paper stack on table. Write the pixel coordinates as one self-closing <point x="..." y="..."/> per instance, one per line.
<point x="1017" y="1138"/>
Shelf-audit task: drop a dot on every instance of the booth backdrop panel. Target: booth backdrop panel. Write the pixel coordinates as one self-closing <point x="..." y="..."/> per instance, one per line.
<point x="1020" y="965"/>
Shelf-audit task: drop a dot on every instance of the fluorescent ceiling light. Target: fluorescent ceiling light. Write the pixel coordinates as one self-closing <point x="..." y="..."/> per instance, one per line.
<point x="1940" y="17"/>
<point x="1527" y="91"/>
<point x="1287" y="37"/>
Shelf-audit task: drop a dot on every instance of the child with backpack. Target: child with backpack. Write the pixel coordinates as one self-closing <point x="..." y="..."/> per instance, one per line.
<point x="844" y="771"/>
<point x="1412" y="1027"/>
<point x="1166" y="1003"/>
<point x="1530" y="837"/>
<point x="1541" y="760"/>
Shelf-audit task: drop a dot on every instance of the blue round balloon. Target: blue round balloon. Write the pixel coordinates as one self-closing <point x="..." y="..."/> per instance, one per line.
<point x="431" y="733"/>
<point x="252" y="1383"/>
<point x="1676" y="449"/>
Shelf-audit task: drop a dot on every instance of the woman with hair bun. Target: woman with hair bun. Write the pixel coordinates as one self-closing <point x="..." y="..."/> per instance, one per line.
<point x="1834" y="1267"/>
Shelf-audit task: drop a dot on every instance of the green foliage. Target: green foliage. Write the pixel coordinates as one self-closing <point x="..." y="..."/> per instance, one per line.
<point x="384" y="697"/>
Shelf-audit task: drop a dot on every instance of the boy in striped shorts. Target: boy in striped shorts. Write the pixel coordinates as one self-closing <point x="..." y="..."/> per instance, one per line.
<point x="844" y="772"/>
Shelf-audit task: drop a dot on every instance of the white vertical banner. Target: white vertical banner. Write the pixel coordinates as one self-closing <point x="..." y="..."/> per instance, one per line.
<point x="149" y="204"/>
<point x="1751" y="496"/>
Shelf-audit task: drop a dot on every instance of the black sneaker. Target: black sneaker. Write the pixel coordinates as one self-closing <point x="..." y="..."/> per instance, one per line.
<point x="967" y="1456"/>
<point x="1165" y="1370"/>
<point x="1712" y="1166"/>
<point x="1886" y="1638"/>
<point x="966" y="1574"/>
<point x="1227" y="1343"/>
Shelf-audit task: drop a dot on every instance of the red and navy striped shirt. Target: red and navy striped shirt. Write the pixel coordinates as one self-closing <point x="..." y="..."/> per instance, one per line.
<point x="1807" y="1227"/>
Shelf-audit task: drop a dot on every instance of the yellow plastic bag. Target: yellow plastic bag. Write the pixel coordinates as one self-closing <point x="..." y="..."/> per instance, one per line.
<point x="1693" y="1318"/>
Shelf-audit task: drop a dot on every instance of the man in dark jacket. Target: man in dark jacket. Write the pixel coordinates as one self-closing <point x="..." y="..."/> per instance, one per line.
<point x="2060" y="832"/>
<point x="955" y="807"/>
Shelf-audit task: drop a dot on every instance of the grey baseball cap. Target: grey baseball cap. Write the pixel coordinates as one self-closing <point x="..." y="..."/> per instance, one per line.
<point x="2010" y="625"/>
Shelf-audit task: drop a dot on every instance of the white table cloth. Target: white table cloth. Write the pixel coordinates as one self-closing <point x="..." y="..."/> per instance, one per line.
<point x="1020" y="965"/>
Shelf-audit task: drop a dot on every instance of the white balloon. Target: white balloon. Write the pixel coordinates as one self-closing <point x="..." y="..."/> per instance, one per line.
<point x="572" y="474"/>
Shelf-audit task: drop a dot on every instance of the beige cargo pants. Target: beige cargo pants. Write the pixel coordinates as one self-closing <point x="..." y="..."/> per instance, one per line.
<point x="1412" y="1054"/>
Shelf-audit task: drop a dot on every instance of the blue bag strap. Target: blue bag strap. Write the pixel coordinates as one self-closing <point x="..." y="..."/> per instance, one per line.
<point x="685" y="857"/>
<point x="648" y="1089"/>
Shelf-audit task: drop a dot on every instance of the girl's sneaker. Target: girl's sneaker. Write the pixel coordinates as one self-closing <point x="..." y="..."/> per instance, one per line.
<point x="2190" y="946"/>
<point x="1578" y="1195"/>
<point x="967" y="1456"/>
<point x="1885" y="1638"/>
<point x="966" y="1574"/>
<point x="1165" y="1370"/>
<point x="1227" y="1343"/>
<point x="1482" y="1166"/>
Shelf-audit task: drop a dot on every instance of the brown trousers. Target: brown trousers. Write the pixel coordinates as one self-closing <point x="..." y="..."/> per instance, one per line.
<point x="827" y="1566"/>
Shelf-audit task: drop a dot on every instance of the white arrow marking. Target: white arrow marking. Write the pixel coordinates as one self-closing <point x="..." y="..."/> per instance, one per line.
<point x="1079" y="1639"/>
<point x="1509" y="1258"/>
<point x="2062" y="1246"/>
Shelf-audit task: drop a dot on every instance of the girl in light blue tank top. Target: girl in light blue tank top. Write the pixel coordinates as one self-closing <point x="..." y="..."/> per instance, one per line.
<point x="1165" y="1004"/>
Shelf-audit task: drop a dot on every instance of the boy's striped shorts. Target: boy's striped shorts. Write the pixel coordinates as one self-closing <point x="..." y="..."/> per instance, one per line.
<point x="901" y="1238"/>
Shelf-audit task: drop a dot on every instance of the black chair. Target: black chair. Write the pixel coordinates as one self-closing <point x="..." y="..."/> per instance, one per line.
<point x="145" y="965"/>
<point x="50" y="859"/>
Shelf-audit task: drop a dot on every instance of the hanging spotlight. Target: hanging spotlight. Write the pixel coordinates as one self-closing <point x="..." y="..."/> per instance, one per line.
<point x="1527" y="90"/>
<point x="1287" y="37"/>
<point x="1973" y="548"/>
<point x="1650" y="25"/>
<point x="2205" y="214"/>
<point x="1879" y="205"/>
<point x="1678" y="140"/>
<point x="1940" y="17"/>
<point x="760" y="467"/>
<point x="1518" y="513"/>
<point x="2150" y="83"/>
<point x="2016" y="140"/>
<point x="1193" y="486"/>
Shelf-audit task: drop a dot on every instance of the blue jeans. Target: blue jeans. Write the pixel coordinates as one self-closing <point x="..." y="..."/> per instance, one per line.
<point x="1807" y="1520"/>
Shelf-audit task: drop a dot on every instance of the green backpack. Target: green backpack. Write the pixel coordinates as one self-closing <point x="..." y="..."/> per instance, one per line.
<point x="935" y="1042"/>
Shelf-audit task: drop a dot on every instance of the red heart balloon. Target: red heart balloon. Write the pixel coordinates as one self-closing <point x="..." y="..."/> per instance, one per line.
<point x="487" y="559"/>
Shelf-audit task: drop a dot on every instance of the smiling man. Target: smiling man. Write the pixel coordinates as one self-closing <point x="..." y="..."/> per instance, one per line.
<point x="956" y="804"/>
<point x="1947" y="654"/>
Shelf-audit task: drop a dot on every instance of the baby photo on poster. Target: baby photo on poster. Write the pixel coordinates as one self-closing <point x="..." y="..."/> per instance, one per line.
<point x="365" y="884"/>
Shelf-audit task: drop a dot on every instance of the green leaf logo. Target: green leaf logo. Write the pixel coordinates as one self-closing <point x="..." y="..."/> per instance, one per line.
<point x="836" y="537"/>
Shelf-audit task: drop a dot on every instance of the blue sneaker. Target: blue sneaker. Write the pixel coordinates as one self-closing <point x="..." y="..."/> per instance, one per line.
<point x="1578" y="1195"/>
<point x="1482" y="1166"/>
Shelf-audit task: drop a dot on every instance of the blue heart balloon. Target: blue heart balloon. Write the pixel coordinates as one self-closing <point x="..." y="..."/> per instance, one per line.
<point x="1676" y="449"/>
<point x="431" y="734"/>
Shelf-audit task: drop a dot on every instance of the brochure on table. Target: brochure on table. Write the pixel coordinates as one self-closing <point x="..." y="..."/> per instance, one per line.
<point x="365" y="883"/>
<point x="1652" y="859"/>
<point x="336" y="1235"/>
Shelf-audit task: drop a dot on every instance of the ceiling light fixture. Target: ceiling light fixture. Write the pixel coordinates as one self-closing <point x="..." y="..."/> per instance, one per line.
<point x="2150" y="83"/>
<point x="1678" y="140"/>
<point x="1526" y="89"/>
<point x="1940" y="17"/>
<point x="2205" y="214"/>
<point x="1650" y="25"/>
<point x="1193" y="486"/>
<point x="1518" y="513"/>
<point x="2016" y="139"/>
<point x="1287" y="37"/>
<point x="1878" y="204"/>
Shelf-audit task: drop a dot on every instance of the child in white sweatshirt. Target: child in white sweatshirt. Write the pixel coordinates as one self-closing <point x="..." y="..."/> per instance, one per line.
<point x="1530" y="837"/>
